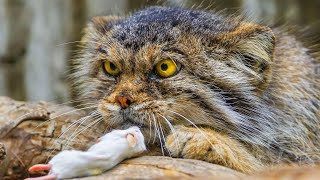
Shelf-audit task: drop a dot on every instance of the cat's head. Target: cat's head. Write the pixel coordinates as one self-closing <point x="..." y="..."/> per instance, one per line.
<point x="164" y="66"/>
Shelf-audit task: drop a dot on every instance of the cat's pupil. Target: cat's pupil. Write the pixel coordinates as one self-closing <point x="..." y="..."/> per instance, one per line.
<point x="164" y="67"/>
<point x="112" y="66"/>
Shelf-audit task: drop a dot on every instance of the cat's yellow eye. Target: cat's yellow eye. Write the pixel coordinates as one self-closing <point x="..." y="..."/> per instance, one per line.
<point x="166" y="68"/>
<point x="111" y="68"/>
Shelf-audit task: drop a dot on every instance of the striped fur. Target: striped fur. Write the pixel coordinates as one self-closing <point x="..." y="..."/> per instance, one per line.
<point x="251" y="92"/>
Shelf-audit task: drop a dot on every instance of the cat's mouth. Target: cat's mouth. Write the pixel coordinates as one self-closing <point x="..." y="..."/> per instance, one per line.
<point x="133" y="122"/>
<point x="130" y="117"/>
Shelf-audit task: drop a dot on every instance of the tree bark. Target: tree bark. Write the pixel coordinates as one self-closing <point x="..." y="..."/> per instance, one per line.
<point x="30" y="134"/>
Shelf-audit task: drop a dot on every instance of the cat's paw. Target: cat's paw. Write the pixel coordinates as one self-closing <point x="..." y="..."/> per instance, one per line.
<point x="192" y="143"/>
<point x="210" y="146"/>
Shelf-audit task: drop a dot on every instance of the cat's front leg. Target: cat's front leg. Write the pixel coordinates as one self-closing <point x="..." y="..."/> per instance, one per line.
<point x="207" y="145"/>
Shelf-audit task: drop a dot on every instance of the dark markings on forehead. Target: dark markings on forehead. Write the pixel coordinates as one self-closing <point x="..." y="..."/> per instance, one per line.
<point x="175" y="50"/>
<point x="156" y="24"/>
<point x="101" y="50"/>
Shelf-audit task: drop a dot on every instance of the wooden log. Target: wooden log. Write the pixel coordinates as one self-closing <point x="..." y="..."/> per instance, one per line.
<point x="30" y="134"/>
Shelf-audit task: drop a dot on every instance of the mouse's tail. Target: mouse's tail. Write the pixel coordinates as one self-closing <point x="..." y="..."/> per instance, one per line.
<point x="40" y="167"/>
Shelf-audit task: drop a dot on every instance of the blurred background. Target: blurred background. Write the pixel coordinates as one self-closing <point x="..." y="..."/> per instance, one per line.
<point x="36" y="36"/>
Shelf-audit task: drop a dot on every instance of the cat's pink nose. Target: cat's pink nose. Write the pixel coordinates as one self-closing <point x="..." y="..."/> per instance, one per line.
<point x="124" y="101"/>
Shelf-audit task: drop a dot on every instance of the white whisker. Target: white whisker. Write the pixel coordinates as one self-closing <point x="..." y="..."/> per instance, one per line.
<point x="158" y="133"/>
<point x="202" y="133"/>
<point x="68" y="128"/>
<point x="62" y="115"/>
<point x="163" y="136"/>
<point x="75" y="133"/>
<point x="95" y="114"/>
<point x="82" y="121"/>
<point x="172" y="130"/>
<point x="150" y="130"/>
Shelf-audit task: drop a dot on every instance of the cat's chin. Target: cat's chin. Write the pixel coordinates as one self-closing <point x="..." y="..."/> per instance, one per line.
<point x="129" y="123"/>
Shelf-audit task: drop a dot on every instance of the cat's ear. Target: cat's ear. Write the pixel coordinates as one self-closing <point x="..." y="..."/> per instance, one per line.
<point x="104" y="23"/>
<point x="253" y="47"/>
<point x="99" y="26"/>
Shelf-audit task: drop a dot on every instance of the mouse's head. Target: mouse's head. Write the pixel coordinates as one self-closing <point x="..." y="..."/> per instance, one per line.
<point x="135" y="139"/>
<point x="133" y="136"/>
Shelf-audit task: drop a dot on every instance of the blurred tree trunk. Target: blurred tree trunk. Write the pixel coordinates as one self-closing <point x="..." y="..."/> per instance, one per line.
<point x="14" y="38"/>
<point x="79" y="19"/>
<point x="37" y="39"/>
<point x="46" y="56"/>
<point x="258" y="10"/>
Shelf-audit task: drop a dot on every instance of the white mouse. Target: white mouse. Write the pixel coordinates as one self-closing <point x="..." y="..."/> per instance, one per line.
<point x="110" y="150"/>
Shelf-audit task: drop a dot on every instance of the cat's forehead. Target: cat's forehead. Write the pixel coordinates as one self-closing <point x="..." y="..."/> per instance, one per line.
<point x="164" y="24"/>
<point x="135" y="61"/>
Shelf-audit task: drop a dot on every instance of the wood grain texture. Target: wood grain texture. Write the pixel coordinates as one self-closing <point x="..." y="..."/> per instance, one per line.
<point x="30" y="133"/>
<point x="26" y="144"/>
<point x="26" y="140"/>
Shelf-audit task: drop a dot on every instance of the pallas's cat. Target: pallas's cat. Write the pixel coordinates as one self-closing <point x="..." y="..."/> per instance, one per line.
<point x="203" y="86"/>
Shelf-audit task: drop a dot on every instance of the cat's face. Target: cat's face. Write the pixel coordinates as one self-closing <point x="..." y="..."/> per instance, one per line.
<point x="154" y="75"/>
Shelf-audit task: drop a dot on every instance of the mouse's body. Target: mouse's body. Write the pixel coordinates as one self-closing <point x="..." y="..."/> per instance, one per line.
<point x="111" y="149"/>
<point x="68" y="164"/>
